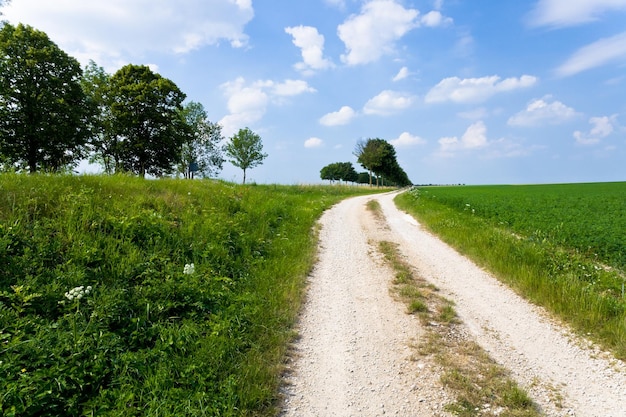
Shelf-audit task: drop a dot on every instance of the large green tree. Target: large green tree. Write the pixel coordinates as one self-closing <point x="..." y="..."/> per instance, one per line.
<point x="245" y="150"/>
<point x="44" y="114"/>
<point x="201" y="151"/>
<point x="147" y="120"/>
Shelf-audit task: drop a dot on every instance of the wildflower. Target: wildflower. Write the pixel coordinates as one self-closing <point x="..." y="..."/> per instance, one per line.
<point x="189" y="269"/>
<point x="78" y="292"/>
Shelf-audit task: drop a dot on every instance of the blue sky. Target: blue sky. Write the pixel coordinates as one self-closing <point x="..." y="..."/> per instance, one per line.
<point x="475" y="92"/>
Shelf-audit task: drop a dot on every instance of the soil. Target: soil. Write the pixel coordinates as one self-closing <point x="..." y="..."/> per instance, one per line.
<point x="356" y="351"/>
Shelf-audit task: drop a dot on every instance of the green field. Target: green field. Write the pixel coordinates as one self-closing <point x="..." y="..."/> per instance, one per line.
<point x="562" y="246"/>
<point x="189" y="293"/>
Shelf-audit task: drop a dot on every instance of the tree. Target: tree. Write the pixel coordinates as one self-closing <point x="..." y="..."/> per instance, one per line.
<point x="245" y="150"/>
<point x="339" y="171"/>
<point x="96" y="84"/>
<point x="201" y="151"/>
<point x="146" y="118"/>
<point x="379" y="156"/>
<point x="44" y="113"/>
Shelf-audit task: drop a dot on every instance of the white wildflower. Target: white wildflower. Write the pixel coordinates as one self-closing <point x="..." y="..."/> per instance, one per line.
<point x="189" y="269"/>
<point x="78" y="292"/>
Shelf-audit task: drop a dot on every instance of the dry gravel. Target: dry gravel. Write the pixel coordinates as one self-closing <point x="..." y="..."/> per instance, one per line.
<point x="356" y="352"/>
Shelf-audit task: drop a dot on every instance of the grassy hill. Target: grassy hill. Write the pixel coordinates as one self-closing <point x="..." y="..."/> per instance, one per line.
<point x="127" y="297"/>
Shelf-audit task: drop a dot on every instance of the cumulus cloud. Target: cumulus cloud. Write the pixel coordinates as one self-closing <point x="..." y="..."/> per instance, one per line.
<point x="474" y="137"/>
<point x="342" y="117"/>
<point x="406" y="139"/>
<point x="475" y="89"/>
<point x="118" y="30"/>
<point x="561" y="13"/>
<point x="388" y="102"/>
<point x="601" y="128"/>
<point x="599" y="53"/>
<point x="374" y="32"/>
<point x="435" y="19"/>
<point x="311" y="42"/>
<point x="543" y="111"/>
<point x="402" y="74"/>
<point x="248" y="102"/>
<point x="313" y="143"/>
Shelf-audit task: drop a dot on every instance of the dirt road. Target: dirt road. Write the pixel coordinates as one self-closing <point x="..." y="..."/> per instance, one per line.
<point x="356" y="352"/>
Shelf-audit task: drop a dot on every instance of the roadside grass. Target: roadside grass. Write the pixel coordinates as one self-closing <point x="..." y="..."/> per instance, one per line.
<point x="570" y="283"/>
<point x="190" y="290"/>
<point x="481" y="386"/>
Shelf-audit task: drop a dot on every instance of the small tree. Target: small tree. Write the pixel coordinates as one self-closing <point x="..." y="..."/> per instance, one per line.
<point x="245" y="150"/>
<point x="201" y="151"/>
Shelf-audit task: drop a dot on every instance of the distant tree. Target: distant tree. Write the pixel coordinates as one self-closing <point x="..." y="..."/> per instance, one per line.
<point x="105" y="146"/>
<point x="201" y="151"/>
<point x="329" y="173"/>
<point x="363" y="178"/>
<point x="339" y="171"/>
<point x="245" y="150"/>
<point x="44" y="113"/>
<point x="371" y="155"/>
<point x="147" y="121"/>
<point x="379" y="157"/>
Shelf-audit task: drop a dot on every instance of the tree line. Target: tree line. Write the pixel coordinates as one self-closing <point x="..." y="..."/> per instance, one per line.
<point x="53" y="114"/>
<point x="377" y="156"/>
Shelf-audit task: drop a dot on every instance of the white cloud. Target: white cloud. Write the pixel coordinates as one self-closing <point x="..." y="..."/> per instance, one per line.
<point x="115" y="31"/>
<point x="290" y="88"/>
<point x="374" y="32"/>
<point x="561" y="13"/>
<point x="406" y="139"/>
<point x="247" y="103"/>
<point x="474" y="137"/>
<point x="402" y="74"/>
<point x="543" y="111"/>
<point x="340" y="4"/>
<point x="435" y="19"/>
<point x="594" y="55"/>
<point x="602" y="127"/>
<point x="313" y="143"/>
<point x="311" y="43"/>
<point x="388" y="102"/>
<point x="341" y="117"/>
<point x="475" y="89"/>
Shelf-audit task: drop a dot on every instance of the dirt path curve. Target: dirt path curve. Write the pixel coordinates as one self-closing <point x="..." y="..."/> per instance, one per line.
<point x="355" y="354"/>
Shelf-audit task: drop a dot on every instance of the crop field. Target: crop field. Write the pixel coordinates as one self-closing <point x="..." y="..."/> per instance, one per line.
<point x="126" y="297"/>
<point x="563" y="246"/>
<point x="589" y="218"/>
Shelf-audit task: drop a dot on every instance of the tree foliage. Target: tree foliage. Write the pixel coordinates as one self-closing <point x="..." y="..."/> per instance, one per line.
<point x="339" y="171"/>
<point x="379" y="157"/>
<point x="44" y="114"/>
<point x="201" y="150"/>
<point x="104" y="144"/>
<point x="245" y="150"/>
<point x="147" y="120"/>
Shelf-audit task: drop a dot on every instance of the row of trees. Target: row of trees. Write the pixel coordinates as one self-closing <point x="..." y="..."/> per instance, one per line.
<point x="53" y="115"/>
<point x="378" y="157"/>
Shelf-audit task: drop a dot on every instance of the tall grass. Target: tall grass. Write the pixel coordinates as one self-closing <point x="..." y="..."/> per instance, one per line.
<point x="195" y="286"/>
<point x="567" y="282"/>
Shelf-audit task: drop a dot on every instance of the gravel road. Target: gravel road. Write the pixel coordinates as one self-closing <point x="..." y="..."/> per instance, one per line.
<point x="356" y="352"/>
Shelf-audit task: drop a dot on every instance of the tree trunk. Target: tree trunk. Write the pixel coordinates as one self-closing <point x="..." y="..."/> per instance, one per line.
<point x="244" y="176"/>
